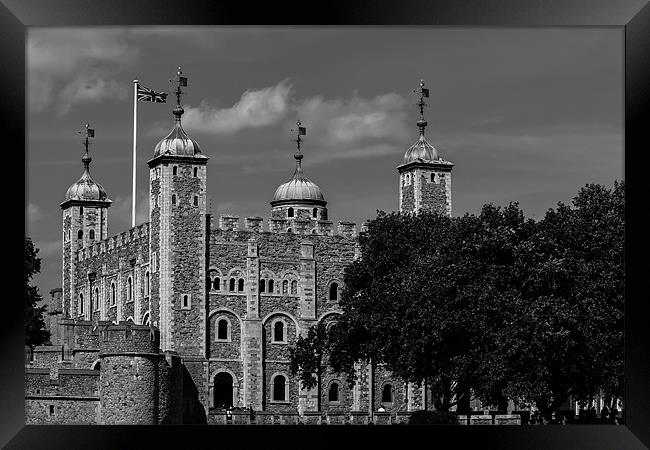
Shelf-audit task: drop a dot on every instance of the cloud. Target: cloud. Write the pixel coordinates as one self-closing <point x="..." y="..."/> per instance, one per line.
<point x="47" y="249"/>
<point x="67" y="66"/>
<point x="255" y="109"/>
<point x="34" y="214"/>
<point x="121" y="209"/>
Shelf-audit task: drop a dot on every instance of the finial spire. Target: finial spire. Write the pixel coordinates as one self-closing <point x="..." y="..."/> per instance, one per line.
<point x="300" y="131"/>
<point x="180" y="81"/>
<point x="424" y="92"/>
<point x="88" y="133"/>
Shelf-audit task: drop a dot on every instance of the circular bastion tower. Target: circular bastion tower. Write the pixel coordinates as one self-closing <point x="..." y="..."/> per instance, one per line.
<point x="129" y="374"/>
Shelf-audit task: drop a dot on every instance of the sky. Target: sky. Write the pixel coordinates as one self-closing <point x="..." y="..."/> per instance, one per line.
<point x="526" y="115"/>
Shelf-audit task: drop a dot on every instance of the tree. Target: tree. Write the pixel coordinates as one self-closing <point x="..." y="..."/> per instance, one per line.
<point x="308" y="357"/>
<point x="566" y="336"/>
<point x="424" y="296"/>
<point x="35" y="332"/>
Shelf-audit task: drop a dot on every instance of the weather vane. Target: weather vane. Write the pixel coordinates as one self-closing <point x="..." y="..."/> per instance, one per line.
<point x="424" y="93"/>
<point x="180" y="81"/>
<point x="88" y="133"/>
<point x="301" y="131"/>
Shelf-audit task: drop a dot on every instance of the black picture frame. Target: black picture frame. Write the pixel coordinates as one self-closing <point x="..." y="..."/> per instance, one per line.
<point x="632" y="15"/>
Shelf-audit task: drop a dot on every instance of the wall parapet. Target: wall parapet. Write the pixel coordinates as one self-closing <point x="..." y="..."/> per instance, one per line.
<point x="114" y="242"/>
<point x="283" y="225"/>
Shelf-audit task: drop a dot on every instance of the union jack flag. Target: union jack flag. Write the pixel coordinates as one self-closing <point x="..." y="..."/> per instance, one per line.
<point x="148" y="95"/>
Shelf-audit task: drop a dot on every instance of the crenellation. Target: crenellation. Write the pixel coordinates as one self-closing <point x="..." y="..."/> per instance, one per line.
<point x="228" y="222"/>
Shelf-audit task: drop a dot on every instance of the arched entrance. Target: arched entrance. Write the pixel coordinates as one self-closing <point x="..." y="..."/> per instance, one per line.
<point x="223" y="390"/>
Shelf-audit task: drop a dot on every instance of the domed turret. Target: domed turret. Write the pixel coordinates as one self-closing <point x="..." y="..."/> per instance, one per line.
<point x="177" y="143"/>
<point x="299" y="197"/>
<point x="85" y="188"/>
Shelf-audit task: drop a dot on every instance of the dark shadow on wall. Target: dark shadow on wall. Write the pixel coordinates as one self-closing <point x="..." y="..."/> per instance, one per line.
<point x="193" y="410"/>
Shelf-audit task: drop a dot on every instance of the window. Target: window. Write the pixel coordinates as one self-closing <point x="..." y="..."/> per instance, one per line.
<point x="146" y="284"/>
<point x="173" y="199"/>
<point x="294" y="287"/>
<point x="315" y="212"/>
<point x="223" y="330"/>
<point x="92" y="235"/>
<point x="408" y="179"/>
<point x="96" y="298"/>
<point x="271" y="283"/>
<point x="80" y="234"/>
<point x="175" y="170"/>
<point x="285" y="287"/>
<point x="333" y="393"/>
<point x="129" y="289"/>
<point x="146" y="319"/>
<point x="289" y="230"/>
<point x="196" y="200"/>
<point x="290" y="212"/>
<point x="279" y="388"/>
<point x="81" y="303"/>
<point x="278" y="331"/>
<point x="334" y="291"/>
<point x="387" y="394"/>
<point x="433" y="177"/>
<point x="216" y="284"/>
<point x="153" y="261"/>
<point x="91" y="301"/>
<point x="112" y="294"/>
<point x="196" y="172"/>
<point x="240" y="285"/>
<point x="262" y="285"/>
<point x="232" y="285"/>
<point x="186" y="303"/>
<point x="51" y="410"/>
<point x="81" y="210"/>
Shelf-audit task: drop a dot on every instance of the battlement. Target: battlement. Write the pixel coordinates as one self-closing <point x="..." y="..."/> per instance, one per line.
<point x="127" y="337"/>
<point x="114" y="242"/>
<point x="289" y="225"/>
<point x="67" y="382"/>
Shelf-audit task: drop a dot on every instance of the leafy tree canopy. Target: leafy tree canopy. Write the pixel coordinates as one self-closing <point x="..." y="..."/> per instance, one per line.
<point x="35" y="332"/>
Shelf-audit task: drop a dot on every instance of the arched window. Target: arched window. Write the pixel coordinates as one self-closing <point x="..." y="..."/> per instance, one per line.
<point x="146" y="319"/>
<point x="290" y="212"/>
<point x="333" y="393"/>
<point x="285" y="287"/>
<point x="314" y="213"/>
<point x="173" y="199"/>
<point x="289" y="230"/>
<point x="223" y="332"/>
<point x="387" y="394"/>
<point x="175" y="170"/>
<point x="294" y="287"/>
<point x="408" y="179"/>
<point x="112" y="294"/>
<point x="271" y="287"/>
<point x="433" y="177"/>
<point x="146" y="284"/>
<point x="334" y="291"/>
<point x="196" y="200"/>
<point x="186" y="301"/>
<point x="80" y="234"/>
<point x="240" y="285"/>
<point x="279" y="388"/>
<point x="314" y="231"/>
<point x="262" y="285"/>
<point x="81" y="303"/>
<point x="92" y="235"/>
<point x="96" y="298"/>
<point x="196" y="172"/>
<point x="232" y="285"/>
<point x="278" y="331"/>
<point x="129" y="292"/>
<point x="216" y="284"/>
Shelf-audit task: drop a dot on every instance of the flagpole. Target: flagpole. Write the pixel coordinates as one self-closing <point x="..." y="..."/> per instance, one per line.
<point x="135" y="125"/>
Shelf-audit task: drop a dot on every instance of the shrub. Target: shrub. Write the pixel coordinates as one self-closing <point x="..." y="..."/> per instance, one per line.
<point x="433" y="417"/>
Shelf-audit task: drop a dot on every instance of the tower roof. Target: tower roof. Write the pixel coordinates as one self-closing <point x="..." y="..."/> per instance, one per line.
<point x="299" y="188"/>
<point x="85" y="188"/>
<point x="177" y="142"/>
<point x="421" y="150"/>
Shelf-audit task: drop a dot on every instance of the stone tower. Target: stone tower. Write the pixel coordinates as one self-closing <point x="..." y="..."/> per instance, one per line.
<point x="425" y="178"/>
<point x="177" y="246"/>
<point x="299" y="199"/>
<point x="85" y="221"/>
<point x="130" y="373"/>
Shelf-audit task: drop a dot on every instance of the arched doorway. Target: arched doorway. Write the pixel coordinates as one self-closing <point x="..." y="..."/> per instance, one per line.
<point x="223" y="390"/>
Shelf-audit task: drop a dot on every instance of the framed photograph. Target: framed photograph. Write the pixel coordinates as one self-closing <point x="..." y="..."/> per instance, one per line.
<point x="207" y="184"/>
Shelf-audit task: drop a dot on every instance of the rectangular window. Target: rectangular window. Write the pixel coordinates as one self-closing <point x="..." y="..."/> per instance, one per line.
<point x="51" y="410"/>
<point x="153" y="262"/>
